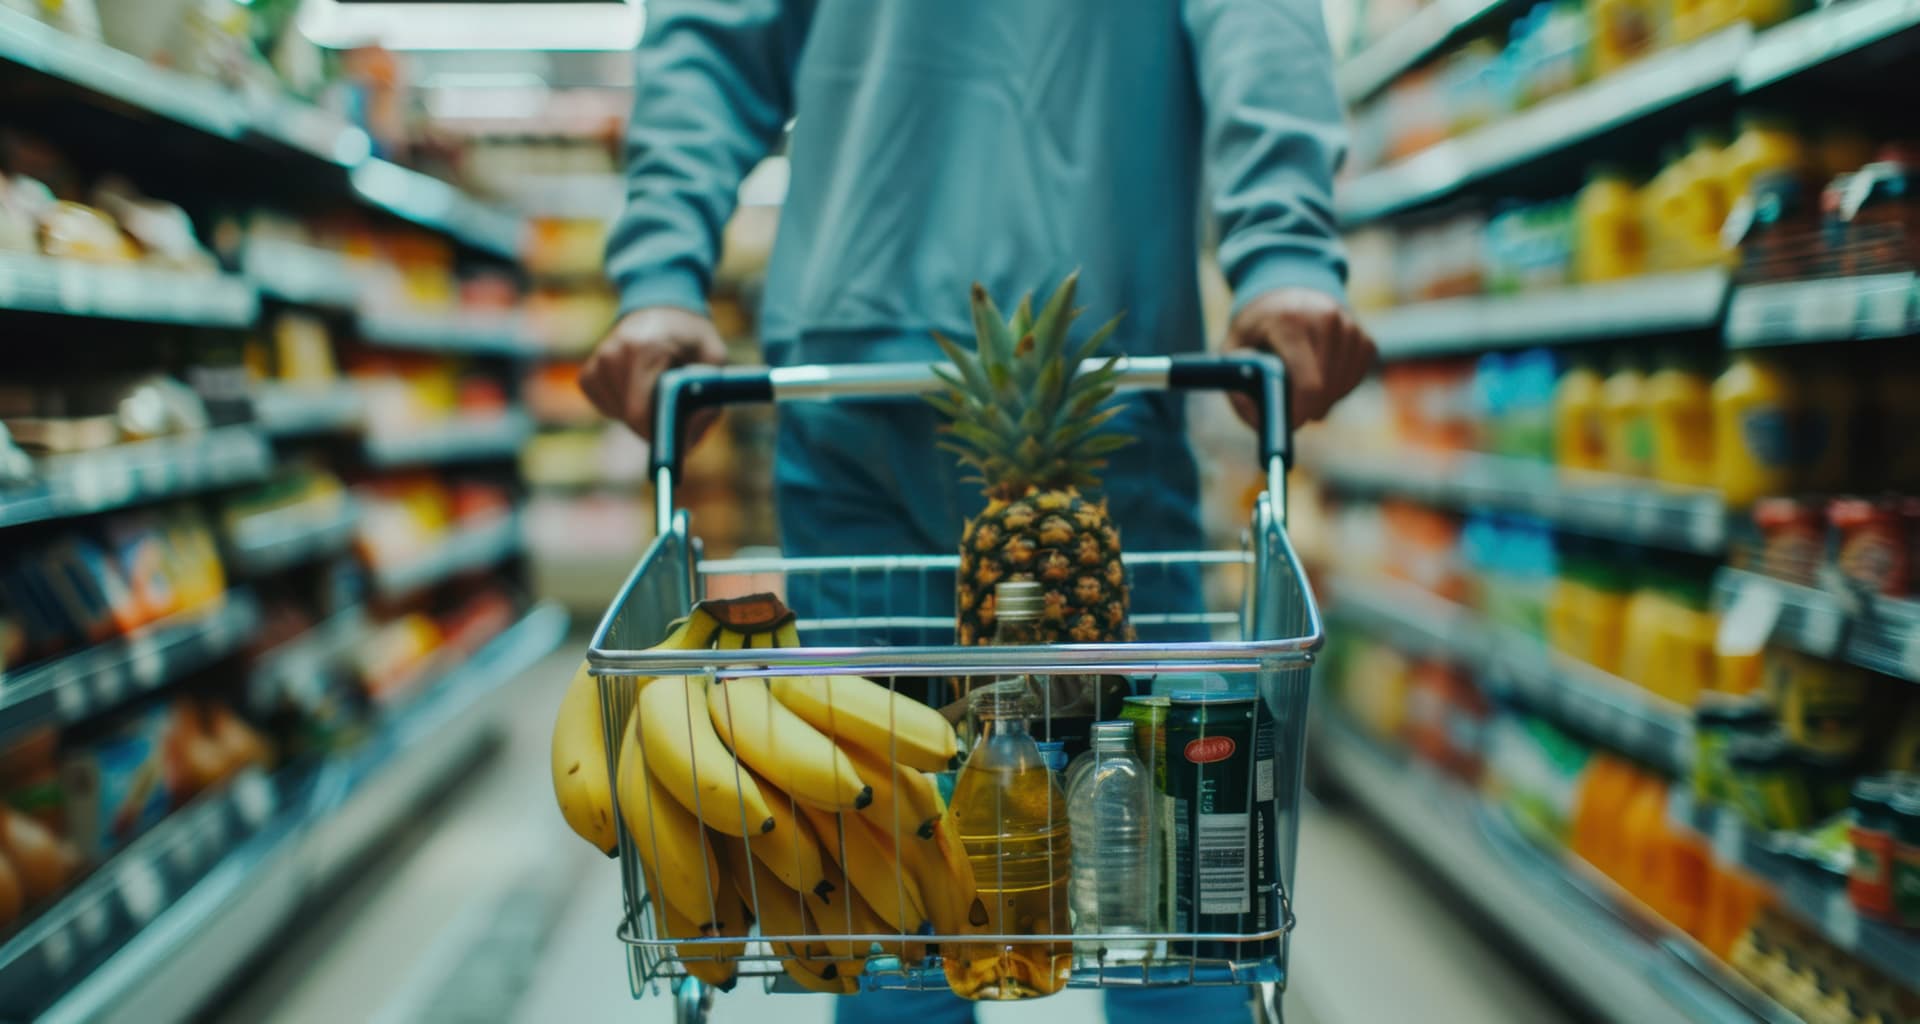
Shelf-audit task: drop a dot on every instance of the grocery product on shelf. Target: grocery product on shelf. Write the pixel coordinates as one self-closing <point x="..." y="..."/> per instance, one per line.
<point x="1609" y="229"/>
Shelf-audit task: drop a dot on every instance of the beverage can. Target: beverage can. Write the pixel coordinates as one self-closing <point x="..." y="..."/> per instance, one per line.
<point x="1220" y="778"/>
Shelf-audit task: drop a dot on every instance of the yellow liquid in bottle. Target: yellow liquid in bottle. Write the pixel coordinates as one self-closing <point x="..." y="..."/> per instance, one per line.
<point x="1013" y="822"/>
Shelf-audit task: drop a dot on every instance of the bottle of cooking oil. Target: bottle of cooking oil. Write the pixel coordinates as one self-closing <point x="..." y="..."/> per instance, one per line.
<point x="1012" y="818"/>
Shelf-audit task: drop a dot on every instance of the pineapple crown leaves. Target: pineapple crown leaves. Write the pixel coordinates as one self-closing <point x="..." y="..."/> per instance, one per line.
<point x="1021" y="413"/>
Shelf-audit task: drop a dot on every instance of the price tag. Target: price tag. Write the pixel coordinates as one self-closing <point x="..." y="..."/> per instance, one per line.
<point x="1820" y="629"/>
<point x="185" y="853"/>
<point x="1826" y="310"/>
<point x="1841" y="920"/>
<point x="1747" y="624"/>
<point x="109" y="685"/>
<point x="91" y="922"/>
<point x="1887" y="312"/>
<point x="69" y="696"/>
<point x="143" y="891"/>
<point x="1728" y="833"/>
<point x="253" y="798"/>
<point x="73" y="283"/>
<point x="144" y="660"/>
<point x="56" y="950"/>
<point x="1706" y="526"/>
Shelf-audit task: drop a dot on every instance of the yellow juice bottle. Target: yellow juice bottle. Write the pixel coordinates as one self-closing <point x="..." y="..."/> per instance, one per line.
<point x="1579" y="422"/>
<point x="1754" y="407"/>
<point x="1767" y="144"/>
<point x="1609" y="229"/>
<point x="1623" y="407"/>
<point x="1679" y="402"/>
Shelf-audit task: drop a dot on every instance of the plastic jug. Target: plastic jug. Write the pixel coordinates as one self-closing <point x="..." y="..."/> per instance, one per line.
<point x="1753" y="417"/>
<point x="1611" y="236"/>
<point x="1623" y="31"/>
<point x="1579" y="423"/>
<point x="1767" y="144"/>
<point x="1623" y="404"/>
<point x="1679" y="401"/>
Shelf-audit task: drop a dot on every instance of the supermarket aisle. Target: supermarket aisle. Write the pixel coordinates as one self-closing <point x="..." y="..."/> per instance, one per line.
<point x="490" y="911"/>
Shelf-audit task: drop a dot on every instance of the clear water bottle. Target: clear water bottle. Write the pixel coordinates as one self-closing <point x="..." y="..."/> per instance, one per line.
<point x="1108" y="812"/>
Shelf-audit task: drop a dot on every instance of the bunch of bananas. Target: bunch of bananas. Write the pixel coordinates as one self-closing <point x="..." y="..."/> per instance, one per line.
<point x="802" y="804"/>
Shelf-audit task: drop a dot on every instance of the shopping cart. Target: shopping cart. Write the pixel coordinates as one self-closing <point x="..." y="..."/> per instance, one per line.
<point x="900" y="630"/>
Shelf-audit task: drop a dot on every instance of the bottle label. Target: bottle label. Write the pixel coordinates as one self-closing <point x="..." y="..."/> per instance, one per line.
<point x="1209" y="749"/>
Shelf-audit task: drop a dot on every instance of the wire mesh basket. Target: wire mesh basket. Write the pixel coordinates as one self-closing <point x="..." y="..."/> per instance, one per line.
<point x="892" y="623"/>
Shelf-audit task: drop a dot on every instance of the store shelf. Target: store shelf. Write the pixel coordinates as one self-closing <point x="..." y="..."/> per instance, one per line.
<point x="1878" y="633"/>
<point x="1835" y="309"/>
<point x="122" y="77"/>
<point x="1656" y="304"/>
<point x="470" y="438"/>
<point x="484" y="333"/>
<point x="1816" y="896"/>
<point x="432" y="203"/>
<point x="174" y="915"/>
<point x="469" y="549"/>
<point x="1651" y="86"/>
<point x="1597" y="505"/>
<point x="305" y="128"/>
<point x="302" y="668"/>
<point x="1622" y="968"/>
<point x="276" y="539"/>
<point x="301" y="274"/>
<point x="1611" y="710"/>
<point x="75" y="686"/>
<point x="1407" y="45"/>
<point x="295" y="410"/>
<point x="127" y="474"/>
<point x="1823" y="35"/>
<point x="38" y="284"/>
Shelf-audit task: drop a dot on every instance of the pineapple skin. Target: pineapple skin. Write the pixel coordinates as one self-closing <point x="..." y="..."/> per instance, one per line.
<point x="1060" y="538"/>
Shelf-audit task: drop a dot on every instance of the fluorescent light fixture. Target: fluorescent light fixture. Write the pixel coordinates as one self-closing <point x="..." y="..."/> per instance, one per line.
<point x="489" y="26"/>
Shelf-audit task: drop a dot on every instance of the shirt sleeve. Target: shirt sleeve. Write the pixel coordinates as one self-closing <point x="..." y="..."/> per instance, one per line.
<point x="1274" y="137"/>
<point x="713" y="90"/>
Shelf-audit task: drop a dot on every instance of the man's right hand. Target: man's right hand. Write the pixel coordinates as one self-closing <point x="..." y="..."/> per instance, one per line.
<point x="620" y="375"/>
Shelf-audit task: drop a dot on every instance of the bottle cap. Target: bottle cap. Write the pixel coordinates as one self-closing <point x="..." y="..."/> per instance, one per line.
<point x="1109" y="735"/>
<point x="1006" y="698"/>
<point x="1018" y="599"/>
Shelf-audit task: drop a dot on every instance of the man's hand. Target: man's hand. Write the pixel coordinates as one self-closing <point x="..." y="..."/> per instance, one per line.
<point x="1327" y="353"/>
<point x="619" y="377"/>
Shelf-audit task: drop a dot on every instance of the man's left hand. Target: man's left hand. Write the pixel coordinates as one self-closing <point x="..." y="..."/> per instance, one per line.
<point x="1326" y="351"/>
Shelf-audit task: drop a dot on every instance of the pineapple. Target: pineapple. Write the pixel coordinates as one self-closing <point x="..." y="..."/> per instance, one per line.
<point x="1029" y="427"/>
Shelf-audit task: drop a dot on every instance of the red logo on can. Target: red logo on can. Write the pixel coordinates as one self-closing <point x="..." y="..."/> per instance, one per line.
<point x="1208" y="749"/>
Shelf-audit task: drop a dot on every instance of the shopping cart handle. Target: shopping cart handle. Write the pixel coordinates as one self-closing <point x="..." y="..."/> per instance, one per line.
<point x="689" y="389"/>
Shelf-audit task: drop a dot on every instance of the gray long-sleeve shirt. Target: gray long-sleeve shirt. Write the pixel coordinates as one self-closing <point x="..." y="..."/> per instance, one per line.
<point x="940" y="142"/>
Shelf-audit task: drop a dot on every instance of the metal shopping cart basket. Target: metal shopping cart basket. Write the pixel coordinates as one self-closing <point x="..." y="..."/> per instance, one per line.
<point x="900" y="630"/>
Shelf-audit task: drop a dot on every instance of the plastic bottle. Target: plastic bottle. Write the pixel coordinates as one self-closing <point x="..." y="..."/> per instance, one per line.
<point x="1579" y="428"/>
<point x="1528" y="423"/>
<point x="1753" y="415"/>
<point x="1012" y="819"/>
<point x="1624" y="411"/>
<point x="1109" y="809"/>
<point x="1610" y="234"/>
<point x="1680" y="412"/>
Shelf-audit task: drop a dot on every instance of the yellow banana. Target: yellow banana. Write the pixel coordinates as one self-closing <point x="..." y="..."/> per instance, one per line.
<point x="904" y="801"/>
<point x="945" y="878"/>
<point x="793" y="852"/>
<point x="860" y="713"/>
<point x="782" y="912"/>
<point x="871" y="868"/>
<point x="681" y="867"/>
<point x="780" y="745"/>
<point x="689" y="759"/>
<point x="581" y="783"/>
<point x="855" y="916"/>
<point x="717" y="964"/>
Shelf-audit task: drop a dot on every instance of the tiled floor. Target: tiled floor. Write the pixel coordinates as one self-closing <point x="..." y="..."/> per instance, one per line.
<point x="489" y="910"/>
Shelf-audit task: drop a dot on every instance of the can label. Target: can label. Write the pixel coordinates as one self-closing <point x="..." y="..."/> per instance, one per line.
<point x="1220" y="783"/>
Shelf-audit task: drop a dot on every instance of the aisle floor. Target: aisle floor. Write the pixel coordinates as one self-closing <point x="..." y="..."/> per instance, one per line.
<point x="487" y="910"/>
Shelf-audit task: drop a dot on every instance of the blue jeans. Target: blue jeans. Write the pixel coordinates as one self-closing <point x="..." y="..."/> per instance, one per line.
<point x="865" y="479"/>
<point x="1201" y="1005"/>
